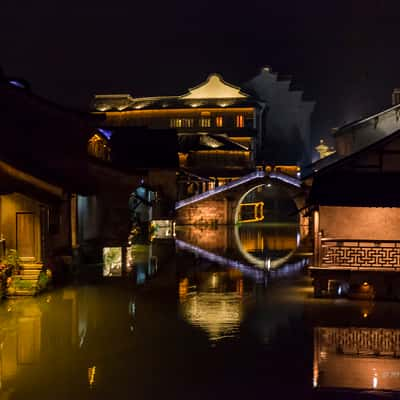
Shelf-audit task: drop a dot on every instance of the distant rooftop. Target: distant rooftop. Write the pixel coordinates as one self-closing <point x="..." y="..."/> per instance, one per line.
<point x="214" y="92"/>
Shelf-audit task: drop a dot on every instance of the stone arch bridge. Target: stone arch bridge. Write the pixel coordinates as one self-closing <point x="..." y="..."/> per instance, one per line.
<point x="220" y="206"/>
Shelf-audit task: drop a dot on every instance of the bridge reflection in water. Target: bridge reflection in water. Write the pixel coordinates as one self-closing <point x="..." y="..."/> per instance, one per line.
<point x="250" y="245"/>
<point x="357" y="358"/>
<point x="215" y="296"/>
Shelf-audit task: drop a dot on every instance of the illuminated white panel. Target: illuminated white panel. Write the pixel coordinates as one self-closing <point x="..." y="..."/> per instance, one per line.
<point x="112" y="261"/>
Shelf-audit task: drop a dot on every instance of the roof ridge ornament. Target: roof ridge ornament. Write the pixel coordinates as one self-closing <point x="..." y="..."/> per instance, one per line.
<point x="214" y="87"/>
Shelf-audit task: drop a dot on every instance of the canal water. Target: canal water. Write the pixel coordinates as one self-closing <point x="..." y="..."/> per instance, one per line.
<point x="193" y="319"/>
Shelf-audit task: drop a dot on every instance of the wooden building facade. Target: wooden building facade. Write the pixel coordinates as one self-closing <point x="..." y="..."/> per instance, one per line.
<point x="356" y="208"/>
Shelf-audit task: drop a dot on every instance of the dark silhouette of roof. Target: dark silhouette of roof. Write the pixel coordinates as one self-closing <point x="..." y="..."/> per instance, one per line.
<point x="137" y="147"/>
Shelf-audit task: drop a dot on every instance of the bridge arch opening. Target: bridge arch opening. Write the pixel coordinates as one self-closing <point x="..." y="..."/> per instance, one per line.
<point x="277" y="233"/>
<point x="278" y="203"/>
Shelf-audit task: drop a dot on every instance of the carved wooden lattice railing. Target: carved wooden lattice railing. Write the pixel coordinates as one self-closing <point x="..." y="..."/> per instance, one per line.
<point x="360" y="341"/>
<point x="359" y="254"/>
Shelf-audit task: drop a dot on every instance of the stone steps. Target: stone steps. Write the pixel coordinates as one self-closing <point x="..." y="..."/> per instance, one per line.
<point x="26" y="282"/>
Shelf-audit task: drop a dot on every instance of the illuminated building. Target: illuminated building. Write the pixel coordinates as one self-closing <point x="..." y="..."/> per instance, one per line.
<point x="356" y="358"/>
<point x="356" y="208"/>
<point x="323" y="150"/>
<point x="42" y="167"/>
<point x="223" y="130"/>
<point x="216" y="125"/>
<point x="98" y="146"/>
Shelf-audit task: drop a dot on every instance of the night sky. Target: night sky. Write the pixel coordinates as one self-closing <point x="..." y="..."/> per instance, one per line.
<point x="345" y="55"/>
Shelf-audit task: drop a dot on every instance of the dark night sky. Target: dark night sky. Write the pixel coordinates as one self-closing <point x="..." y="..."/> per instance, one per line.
<point x="344" y="54"/>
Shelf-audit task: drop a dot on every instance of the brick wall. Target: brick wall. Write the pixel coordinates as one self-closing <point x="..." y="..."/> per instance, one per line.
<point x="210" y="239"/>
<point x="375" y="223"/>
<point x="205" y="212"/>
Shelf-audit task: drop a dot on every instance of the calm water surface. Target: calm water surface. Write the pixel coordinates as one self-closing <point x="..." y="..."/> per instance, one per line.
<point x="194" y="321"/>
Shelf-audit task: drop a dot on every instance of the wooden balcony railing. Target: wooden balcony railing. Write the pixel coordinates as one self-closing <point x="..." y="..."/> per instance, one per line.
<point x="359" y="254"/>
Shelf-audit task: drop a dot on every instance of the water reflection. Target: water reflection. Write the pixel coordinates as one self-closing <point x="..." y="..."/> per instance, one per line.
<point x="357" y="358"/>
<point x="250" y="244"/>
<point x="269" y="240"/>
<point x="20" y="340"/>
<point x="213" y="301"/>
<point x="142" y="263"/>
<point x="200" y="329"/>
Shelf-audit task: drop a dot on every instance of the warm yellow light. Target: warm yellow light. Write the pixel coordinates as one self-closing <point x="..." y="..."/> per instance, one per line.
<point x="91" y="375"/>
<point x="214" y="88"/>
<point x="239" y="121"/>
<point x="365" y="315"/>
<point x="375" y="382"/>
<point x="365" y="284"/>
<point x="183" y="289"/>
<point x="258" y="208"/>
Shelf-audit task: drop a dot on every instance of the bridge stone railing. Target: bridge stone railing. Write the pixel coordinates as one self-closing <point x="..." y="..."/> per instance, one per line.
<point x="359" y="254"/>
<point x="244" y="179"/>
<point x="219" y="189"/>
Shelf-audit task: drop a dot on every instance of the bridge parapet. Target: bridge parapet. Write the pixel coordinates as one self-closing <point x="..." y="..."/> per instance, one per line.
<point x="238" y="182"/>
<point x="220" y="205"/>
<point x="220" y="189"/>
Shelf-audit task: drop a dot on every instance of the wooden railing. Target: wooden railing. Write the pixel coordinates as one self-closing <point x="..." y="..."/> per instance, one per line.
<point x="359" y="254"/>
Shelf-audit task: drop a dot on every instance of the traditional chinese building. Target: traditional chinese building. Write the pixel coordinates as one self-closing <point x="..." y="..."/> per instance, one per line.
<point x="356" y="207"/>
<point x="224" y="131"/>
<point x="43" y="164"/>
<point x="216" y="123"/>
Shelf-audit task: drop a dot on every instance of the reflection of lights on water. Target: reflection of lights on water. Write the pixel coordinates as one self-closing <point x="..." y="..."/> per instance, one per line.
<point x="362" y="358"/>
<point x="268" y="264"/>
<point x="315" y="376"/>
<point x="132" y="308"/>
<point x="183" y="288"/>
<point x="315" y="382"/>
<point x="249" y="270"/>
<point x="246" y="269"/>
<point x="91" y="375"/>
<point x="218" y="314"/>
<point x="214" y="280"/>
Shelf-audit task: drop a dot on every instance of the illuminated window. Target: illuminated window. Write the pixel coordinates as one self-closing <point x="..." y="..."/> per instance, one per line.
<point x="97" y="147"/>
<point x="219" y="121"/>
<point x="181" y="123"/>
<point x="175" y="123"/>
<point x="205" y="122"/>
<point x="239" y="121"/>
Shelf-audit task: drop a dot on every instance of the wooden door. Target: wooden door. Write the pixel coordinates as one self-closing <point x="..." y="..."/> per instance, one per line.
<point x="26" y="243"/>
